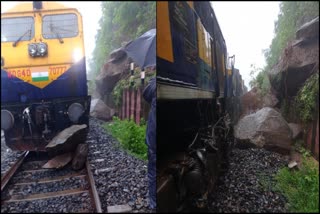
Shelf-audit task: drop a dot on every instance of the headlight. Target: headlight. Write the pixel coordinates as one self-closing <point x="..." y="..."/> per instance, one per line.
<point x="42" y="49"/>
<point x="32" y="48"/>
<point x="75" y="111"/>
<point x="7" y="120"/>
<point x="77" y="55"/>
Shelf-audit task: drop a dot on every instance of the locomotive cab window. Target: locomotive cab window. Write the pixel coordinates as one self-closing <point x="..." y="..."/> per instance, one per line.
<point x="14" y="29"/>
<point x="60" y="26"/>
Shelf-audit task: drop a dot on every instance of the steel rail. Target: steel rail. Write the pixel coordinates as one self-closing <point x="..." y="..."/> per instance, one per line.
<point x="8" y="175"/>
<point x="93" y="189"/>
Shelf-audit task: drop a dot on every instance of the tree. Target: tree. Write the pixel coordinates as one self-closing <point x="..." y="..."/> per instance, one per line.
<point x="292" y="15"/>
<point x="120" y="22"/>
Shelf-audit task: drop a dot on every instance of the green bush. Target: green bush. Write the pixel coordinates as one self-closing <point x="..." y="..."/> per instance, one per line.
<point x="306" y="98"/>
<point x="130" y="135"/>
<point x="301" y="187"/>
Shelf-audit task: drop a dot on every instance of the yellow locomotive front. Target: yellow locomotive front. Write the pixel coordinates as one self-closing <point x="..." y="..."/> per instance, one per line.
<point x="43" y="73"/>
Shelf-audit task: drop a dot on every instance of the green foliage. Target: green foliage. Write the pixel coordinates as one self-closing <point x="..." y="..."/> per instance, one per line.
<point x="261" y="81"/>
<point x="266" y="182"/>
<point x="292" y="15"/>
<point x="298" y="146"/>
<point x="301" y="187"/>
<point x="306" y="98"/>
<point x="130" y="135"/>
<point x="120" y="22"/>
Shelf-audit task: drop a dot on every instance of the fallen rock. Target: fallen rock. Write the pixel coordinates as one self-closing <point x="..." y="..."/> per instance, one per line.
<point x="80" y="156"/>
<point x="253" y="100"/>
<point x="119" y="209"/>
<point x="67" y="140"/>
<point x="292" y="164"/>
<point x="58" y="161"/>
<point x="112" y="71"/>
<point x="265" y="129"/>
<point x="309" y="30"/>
<point x="296" y="130"/>
<point x="100" y="110"/>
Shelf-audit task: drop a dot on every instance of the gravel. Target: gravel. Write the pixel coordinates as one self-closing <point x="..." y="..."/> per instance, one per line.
<point x="65" y="184"/>
<point x="120" y="178"/>
<point x="46" y="173"/>
<point x="8" y="157"/>
<point x="248" y="185"/>
<point x="65" y="204"/>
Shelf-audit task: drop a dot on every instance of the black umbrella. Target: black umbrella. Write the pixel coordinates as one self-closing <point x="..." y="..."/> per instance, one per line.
<point x="143" y="49"/>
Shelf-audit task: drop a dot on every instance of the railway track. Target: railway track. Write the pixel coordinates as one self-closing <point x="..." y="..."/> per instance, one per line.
<point x="29" y="187"/>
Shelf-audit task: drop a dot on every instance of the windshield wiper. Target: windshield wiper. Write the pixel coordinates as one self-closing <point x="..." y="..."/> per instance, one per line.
<point x="18" y="40"/>
<point x="57" y="34"/>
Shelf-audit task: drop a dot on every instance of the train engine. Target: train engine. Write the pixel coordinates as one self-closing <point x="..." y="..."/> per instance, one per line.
<point x="194" y="82"/>
<point x="43" y="74"/>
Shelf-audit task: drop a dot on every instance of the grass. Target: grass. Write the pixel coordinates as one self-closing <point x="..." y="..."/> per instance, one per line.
<point x="300" y="187"/>
<point x="130" y="135"/>
<point x="266" y="182"/>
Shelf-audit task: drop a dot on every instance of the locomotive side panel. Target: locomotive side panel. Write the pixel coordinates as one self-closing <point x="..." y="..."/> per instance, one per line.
<point x="192" y="126"/>
<point x="190" y="63"/>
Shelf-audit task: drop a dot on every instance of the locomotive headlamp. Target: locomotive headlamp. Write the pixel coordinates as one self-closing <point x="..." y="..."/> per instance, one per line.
<point x="77" y="55"/>
<point x="42" y="49"/>
<point x="32" y="48"/>
<point x="7" y="120"/>
<point x="75" y="111"/>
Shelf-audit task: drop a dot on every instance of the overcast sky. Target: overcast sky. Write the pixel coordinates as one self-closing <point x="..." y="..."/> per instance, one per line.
<point x="91" y="13"/>
<point x="248" y="28"/>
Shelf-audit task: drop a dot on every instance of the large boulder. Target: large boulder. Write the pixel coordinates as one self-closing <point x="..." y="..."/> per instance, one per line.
<point x="298" y="61"/>
<point x="296" y="130"/>
<point x="112" y="71"/>
<point x="254" y="100"/>
<point x="265" y="129"/>
<point x="67" y="140"/>
<point x="100" y="110"/>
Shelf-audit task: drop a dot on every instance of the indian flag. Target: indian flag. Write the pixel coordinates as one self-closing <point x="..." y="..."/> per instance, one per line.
<point x="40" y="76"/>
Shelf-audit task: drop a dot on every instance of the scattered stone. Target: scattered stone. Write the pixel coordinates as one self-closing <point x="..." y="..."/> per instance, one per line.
<point x="80" y="156"/>
<point x="292" y="164"/>
<point x="58" y="161"/>
<point x="103" y="170"/>
<point x="119" y="209"/>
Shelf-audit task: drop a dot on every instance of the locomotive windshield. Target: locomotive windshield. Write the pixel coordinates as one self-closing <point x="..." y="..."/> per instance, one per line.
<point x="60" y="26"/>
<point x="14" y="29"/>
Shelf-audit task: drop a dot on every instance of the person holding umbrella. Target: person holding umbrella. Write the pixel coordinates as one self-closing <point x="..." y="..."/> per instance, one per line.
<point x="143" y="52"/>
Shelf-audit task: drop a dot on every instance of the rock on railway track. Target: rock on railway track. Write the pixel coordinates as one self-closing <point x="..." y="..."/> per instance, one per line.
<point x="27" y="187"/>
